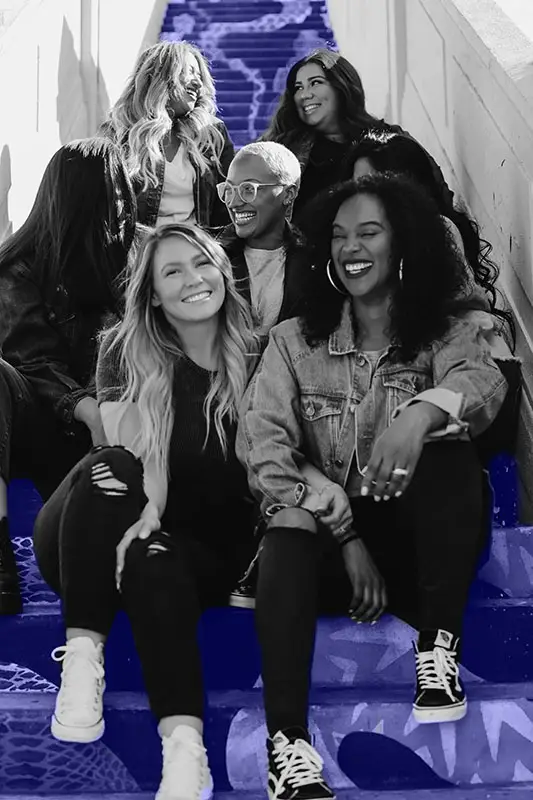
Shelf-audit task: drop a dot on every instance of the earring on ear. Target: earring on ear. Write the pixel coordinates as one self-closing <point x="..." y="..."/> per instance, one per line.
<point x="330" y="277"/>
<point x="400" y="271"/>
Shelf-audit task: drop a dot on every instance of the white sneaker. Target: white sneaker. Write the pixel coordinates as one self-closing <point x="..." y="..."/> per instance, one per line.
<point x="78" y="715"/>
<point x="186" y="774"/>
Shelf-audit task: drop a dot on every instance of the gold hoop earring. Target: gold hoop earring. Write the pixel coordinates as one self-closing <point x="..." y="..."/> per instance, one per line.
<point x="330" y="278"/>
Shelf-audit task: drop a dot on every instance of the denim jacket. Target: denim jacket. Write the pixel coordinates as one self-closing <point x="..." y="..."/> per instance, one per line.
<point x="320" y="404"/>
<point x="53" y="347"/>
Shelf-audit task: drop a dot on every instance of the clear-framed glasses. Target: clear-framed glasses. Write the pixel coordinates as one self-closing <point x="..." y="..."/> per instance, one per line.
<point x="247" y="190"/>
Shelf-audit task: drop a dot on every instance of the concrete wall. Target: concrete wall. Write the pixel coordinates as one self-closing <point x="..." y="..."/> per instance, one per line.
<point x="458" y="75"/>
<point x="62" y="63"/>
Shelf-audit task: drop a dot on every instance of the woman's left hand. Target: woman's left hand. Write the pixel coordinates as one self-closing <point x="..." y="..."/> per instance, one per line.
<point x="395" y="455"/>
<point x="145" y="525"/>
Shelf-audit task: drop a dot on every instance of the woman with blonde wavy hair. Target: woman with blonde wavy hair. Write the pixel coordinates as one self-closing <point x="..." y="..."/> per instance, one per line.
<point x="158" y="522"/>
<point x="176" y="148"/>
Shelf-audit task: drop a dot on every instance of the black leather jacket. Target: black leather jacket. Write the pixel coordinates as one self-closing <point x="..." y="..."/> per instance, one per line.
<point x="53" y="347"/>
<point x="209" y="210"/>
<point x="297" y="264"/>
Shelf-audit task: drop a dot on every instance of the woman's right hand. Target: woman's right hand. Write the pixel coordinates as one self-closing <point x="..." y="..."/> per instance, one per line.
<point x="147" y="523"/>
<point x="369" y="599"/>
<point x="334" y="508"/>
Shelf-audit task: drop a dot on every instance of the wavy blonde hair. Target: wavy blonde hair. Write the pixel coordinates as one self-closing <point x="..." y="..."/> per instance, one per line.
<point x="140" y="120"/>
<point x="150" y="349"/>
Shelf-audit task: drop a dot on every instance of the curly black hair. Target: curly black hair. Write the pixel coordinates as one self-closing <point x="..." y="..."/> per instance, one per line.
<point x="395" y="152"/>
<point x="425" y="300"/>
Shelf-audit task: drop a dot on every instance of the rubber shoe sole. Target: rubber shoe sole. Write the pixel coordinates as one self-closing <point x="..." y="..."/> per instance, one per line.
<point x="440" y="714"/>
<point x="241" y="601"/>
<point x="72" y="733"/>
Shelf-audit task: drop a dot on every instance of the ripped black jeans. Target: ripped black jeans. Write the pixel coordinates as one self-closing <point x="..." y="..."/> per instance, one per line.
<point x="164" y="588"/>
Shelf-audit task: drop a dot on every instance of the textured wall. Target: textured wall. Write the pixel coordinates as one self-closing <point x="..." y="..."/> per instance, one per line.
<point x="458" y="74"/>
<point x="62" y="62"/>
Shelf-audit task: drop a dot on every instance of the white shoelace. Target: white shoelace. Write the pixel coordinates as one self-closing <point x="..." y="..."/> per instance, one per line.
<point x="300" y="765"/>
<point x="80" y="673"/>
<point x="434" y="667"/>
<point x="184" y="766"/>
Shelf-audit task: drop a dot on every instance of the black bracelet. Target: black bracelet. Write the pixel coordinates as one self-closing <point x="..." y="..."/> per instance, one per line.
<point x="349" y="536"/>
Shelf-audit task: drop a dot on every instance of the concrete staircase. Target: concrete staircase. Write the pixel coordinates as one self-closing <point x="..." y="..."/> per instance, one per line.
<point x="362" y="676"/>
<point x="250" y="45"/>
<point x="361" y="697"/>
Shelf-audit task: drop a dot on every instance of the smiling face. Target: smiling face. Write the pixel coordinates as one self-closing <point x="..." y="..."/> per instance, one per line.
<point x="361" y="246"/>
<point x="188" y="287"/>
<point x="187" y="85"/>
<point x="316" y="100"/>
<point x="261" y="221"/>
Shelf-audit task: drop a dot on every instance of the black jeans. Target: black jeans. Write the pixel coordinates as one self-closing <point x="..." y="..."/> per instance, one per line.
<point x="32" y="442"/>
<point x="168" y="580"/>
<point x="425" y="545"/>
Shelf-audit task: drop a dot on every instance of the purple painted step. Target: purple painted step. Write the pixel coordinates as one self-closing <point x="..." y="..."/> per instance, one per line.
<point x="518" y="792"/>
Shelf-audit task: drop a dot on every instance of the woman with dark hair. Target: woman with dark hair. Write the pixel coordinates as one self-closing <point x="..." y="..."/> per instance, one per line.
<point x="381" y="388"/>
<point x="320" y="115"/>
<point x="381" y="151"/>
<point x="158" y="521"/>
<point x="175" y="147"/>
<point x="59" y="283"/>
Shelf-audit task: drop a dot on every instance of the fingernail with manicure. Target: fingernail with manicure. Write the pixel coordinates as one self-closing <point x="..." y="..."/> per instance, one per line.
<point x="364" y="491"/>
<point x="376" y="498"/>
<point x="398" y="494"/>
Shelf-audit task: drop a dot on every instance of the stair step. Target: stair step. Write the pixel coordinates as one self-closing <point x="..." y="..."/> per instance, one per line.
<point x="522" y="791"/>
<point x="357" y="732"/>
<point x="497" y="648"/>
<point x="291" y="28"/>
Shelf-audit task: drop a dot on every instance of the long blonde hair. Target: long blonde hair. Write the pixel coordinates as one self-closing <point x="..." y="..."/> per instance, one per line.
<point x="150" y="349"/>
<point x="140" y="120"/>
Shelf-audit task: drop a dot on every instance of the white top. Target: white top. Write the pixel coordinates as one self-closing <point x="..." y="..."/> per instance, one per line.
<point x="266" y="269"/>
<point x="177" y="197"/>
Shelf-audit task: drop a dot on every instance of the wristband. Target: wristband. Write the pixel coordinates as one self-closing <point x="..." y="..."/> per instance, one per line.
<point x="349" y="535"/>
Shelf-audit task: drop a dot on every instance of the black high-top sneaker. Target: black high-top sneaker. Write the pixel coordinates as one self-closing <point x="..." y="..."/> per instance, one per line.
<point x="295" y="768"/>
<point x="243" y="596"/>
<point x="440" y="696"/>
<point x="10" y="601"/>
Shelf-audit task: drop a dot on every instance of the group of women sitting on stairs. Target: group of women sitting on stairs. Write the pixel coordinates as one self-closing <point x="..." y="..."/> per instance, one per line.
<point x="285" y="363"/>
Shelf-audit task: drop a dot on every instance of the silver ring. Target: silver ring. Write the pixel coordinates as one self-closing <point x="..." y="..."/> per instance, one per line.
<point x="400" y="471"/>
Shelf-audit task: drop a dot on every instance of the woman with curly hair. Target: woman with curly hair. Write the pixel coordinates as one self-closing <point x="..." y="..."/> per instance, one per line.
<point x="381" y="151"/>
<point x="158" y="522"/>
<point x="59" y="284"/>
<point x="175" y="147"/>
<point x="381" y="388"/>
<point x="320" y="115"/>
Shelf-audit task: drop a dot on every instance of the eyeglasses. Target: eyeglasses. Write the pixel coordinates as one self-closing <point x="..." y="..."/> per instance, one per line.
<point x="247" y="191"/>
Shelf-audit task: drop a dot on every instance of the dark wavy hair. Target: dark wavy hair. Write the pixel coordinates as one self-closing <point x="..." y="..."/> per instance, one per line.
<point x="394" y="152"/>
<point x="80" y="229"/>
<point x="287" y="127"/>
<point x="425" y="300"/>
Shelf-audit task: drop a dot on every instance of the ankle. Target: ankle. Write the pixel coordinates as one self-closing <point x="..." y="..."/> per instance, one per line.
<point x="188" y="725"/>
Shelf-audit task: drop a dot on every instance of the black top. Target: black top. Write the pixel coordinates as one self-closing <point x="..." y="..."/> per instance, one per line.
<point x="208" y="494"/>
<point x="323" y="170"/>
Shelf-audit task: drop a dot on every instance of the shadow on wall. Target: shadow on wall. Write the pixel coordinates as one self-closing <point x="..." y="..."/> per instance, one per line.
<point x="6" y="225"/>
<point x="82" y="98"/>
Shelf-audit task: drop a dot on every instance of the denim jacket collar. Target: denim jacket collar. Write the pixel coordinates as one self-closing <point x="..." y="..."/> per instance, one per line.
<point x="341" y="341"/>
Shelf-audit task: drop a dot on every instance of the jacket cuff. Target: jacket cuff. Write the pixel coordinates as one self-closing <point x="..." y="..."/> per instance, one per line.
<point x="65" y="407"/>
<point x="299" y="493"/>
<point x="449" y="402"/>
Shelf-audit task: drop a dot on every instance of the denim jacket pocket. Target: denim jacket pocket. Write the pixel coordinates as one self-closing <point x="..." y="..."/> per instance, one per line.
<point x="321" y="421"/>
<point x="402" y="386"/>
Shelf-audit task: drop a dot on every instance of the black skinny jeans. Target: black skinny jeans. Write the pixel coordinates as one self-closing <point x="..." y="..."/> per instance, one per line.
<point x="164" y="588"/>
<point x="32" y="442"/>
<point x="425" y="545"/>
